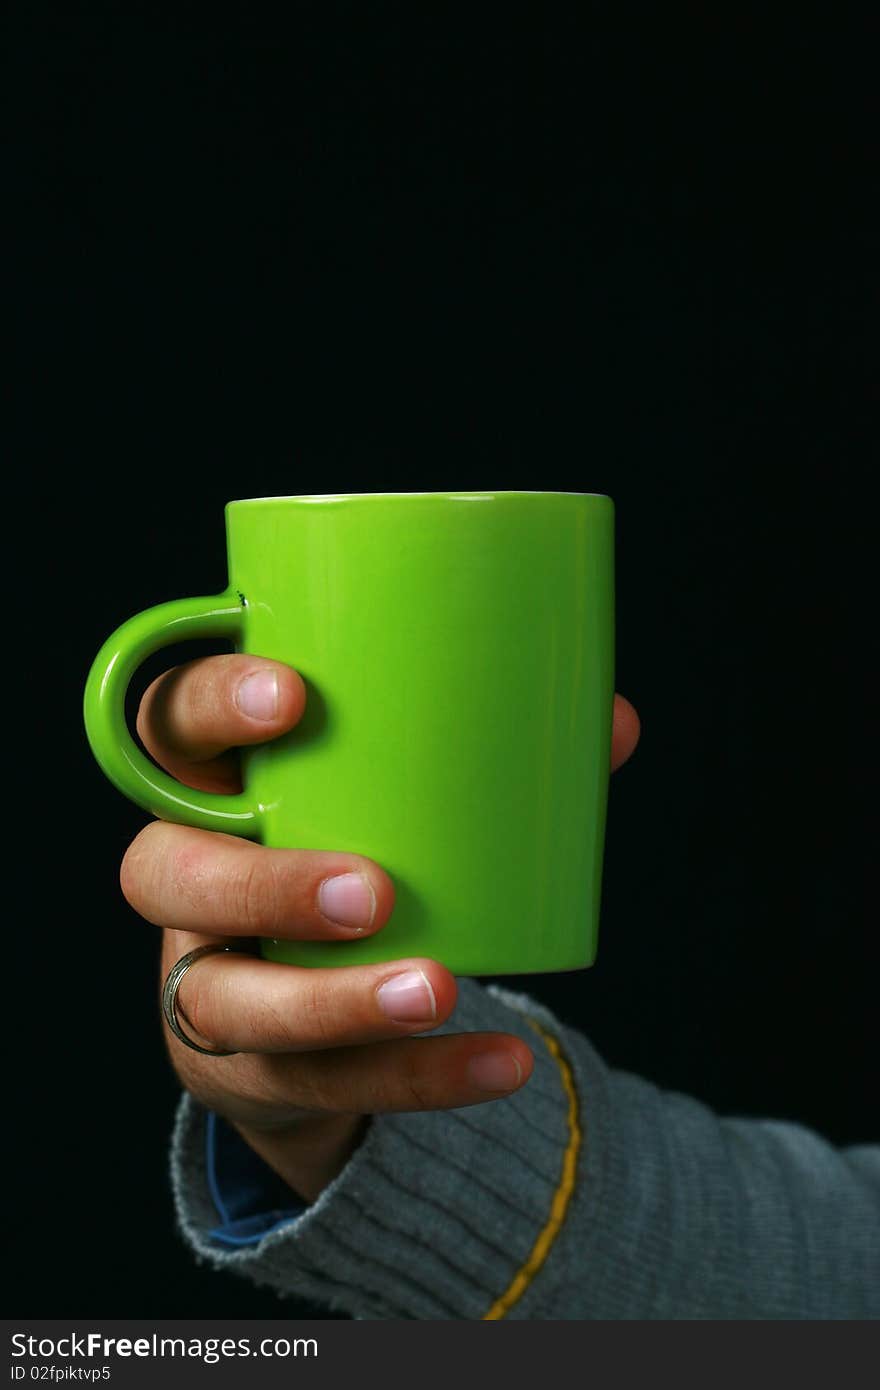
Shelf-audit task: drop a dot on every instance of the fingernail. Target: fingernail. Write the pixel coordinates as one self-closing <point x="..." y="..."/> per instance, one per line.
<point x="408" y="998"/>
<point x="494" y="1071"/>
<point x="348" y="899"/>
<point x="257" y="695"/>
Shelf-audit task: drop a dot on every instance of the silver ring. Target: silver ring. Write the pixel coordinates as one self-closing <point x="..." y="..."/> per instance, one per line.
<point x="172" y="1010"/>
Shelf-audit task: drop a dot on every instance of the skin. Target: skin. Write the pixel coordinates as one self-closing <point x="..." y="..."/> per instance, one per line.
<point x="316" y="1055"/>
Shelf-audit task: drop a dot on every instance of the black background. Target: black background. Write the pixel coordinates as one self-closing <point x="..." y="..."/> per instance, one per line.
<point x="579" y="249"/>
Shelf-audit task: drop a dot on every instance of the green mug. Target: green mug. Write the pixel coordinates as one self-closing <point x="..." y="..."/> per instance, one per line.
<point x="457" y="650"/>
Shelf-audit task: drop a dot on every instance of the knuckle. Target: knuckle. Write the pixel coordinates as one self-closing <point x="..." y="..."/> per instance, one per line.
<point x="166" y="869"/>
<point x="138" y="869"/>
<point x="253" y="893"/>
<point x="400" y="1087"/>
<point x="412" y="1083"/>
<point x="315" y="1013"/>
<point x="201" y="695"/>
<point x="190" y="871"/>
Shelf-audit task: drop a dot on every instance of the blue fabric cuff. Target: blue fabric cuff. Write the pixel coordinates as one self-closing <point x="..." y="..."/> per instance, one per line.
<point x="251" y="1199"/>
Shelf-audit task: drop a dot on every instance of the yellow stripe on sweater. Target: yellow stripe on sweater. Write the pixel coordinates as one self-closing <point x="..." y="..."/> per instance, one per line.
<point x="561" y="1197"/>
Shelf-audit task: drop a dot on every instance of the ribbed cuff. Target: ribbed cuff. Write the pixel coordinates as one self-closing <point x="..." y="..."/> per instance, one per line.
<point x="588" y="1194"/>
<point x="438" y="1214"/>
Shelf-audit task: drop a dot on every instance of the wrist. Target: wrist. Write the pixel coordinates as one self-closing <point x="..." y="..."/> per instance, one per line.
<point x="312" y="1153"/>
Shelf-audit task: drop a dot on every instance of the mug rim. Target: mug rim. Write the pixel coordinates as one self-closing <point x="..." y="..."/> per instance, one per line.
<point x="459" y="495"/>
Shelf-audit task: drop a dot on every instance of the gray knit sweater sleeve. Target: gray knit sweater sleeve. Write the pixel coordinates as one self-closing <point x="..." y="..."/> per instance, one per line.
<point x="589" y="1194"/>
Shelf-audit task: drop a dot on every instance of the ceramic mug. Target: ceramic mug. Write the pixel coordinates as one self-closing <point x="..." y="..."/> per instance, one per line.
<point x="457" y="651"/>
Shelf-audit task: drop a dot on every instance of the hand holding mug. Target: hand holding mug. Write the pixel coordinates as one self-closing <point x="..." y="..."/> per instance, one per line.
<point x="451" y="721"/>
<point x="318" y="1050"/>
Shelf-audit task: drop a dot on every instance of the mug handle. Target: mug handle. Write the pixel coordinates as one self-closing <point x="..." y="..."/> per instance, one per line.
<point x="220" y="615"/>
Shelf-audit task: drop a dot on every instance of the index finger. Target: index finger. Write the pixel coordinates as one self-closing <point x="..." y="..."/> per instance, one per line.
<point x="192" y="714"/>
